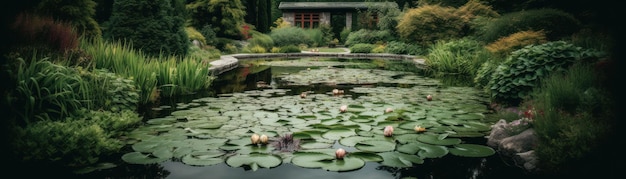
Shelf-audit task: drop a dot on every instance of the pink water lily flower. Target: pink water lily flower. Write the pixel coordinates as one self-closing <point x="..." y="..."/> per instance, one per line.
<point x="388" y="131"/>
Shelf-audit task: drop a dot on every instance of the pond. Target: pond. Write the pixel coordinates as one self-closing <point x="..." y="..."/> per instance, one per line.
<point x="391" y="121"/>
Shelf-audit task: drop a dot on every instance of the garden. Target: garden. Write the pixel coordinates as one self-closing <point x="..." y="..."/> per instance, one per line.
<point x="112" y="95"/>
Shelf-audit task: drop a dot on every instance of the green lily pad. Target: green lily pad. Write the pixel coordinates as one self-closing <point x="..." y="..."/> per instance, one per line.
<point x="400" y="160"/>
<point x="254" y="160"/>
<point x="471" y="150"/>
<point x="203" y="158"/>
<point x="438" y="140"/>
<point x="327" y="162"/>
<point x="140" y="158"/>
<point x="376" y="145"/>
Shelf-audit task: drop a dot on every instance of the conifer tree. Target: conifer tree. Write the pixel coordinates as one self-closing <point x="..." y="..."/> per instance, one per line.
<point x="153" y="26"/>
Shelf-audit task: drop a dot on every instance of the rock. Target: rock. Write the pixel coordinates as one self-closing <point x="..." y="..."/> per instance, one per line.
<point x="522" y="142"/>
<point x="528" y="160"/>
<point x="518" y="147"/>
<point x="498" y="133"/>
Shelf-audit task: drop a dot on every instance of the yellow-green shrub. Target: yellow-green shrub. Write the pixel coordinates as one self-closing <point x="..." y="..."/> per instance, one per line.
<point x="257" y="49"/>
<point x="429" y="23"/>
<point x="275" y="50"/>
<point x="379" y="49"/>
<point x="194" y="34"/>
<point x="508" y="44"/>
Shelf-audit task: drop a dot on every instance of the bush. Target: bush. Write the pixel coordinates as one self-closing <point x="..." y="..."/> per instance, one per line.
<point x="362" y="48"/>
<point x="379" y="49"/>
<point x="75" y="142"/>
<point x="290" y="49"/>
<point x="521" y="72"/>
<point x="397" y="47"/>
<point x="426" y="24"/>
<point x="257" y="49"/>
<point x="290" y="36"/>
<point x="573" y="122"/>
<point x="193" y="34"/>
<point x="556" y="23"/>
<point x="343" y="35"/>
<point x="503" y="46"/>
<point x="365" y="36"/>
<point x="260" y="39"/>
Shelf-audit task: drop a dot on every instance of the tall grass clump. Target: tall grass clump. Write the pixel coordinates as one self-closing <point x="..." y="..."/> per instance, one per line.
<point x="154" y="76"/>
<point x="182" y="77"/>
<point x="460" y="57"/>
<point x="121" y="59"/>
<point x="45" y="91"/>
<point x="573" y="122"/>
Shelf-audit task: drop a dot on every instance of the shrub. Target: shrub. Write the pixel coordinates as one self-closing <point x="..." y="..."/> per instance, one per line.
<point x="365" y="36"/>
<point x="521" y="72"/>
<point x="379" y="49"/>
<point x="573" y="122"/>
<point x="426" y="24"/>
<point x="193" y="34"/>
<point x="362" y="48"/>
<point x="257" y="49"/>
<point x="555" y="23"/>
<point x="44" y="33"/>
<point x="75" y="142"/>
<point x="209" y="35"/>
<point x="275" y="50"/>
<point x="290" y="49"/>
<point x="343" y="35"/>
<point x="260" y="39"/>
<point x="290" y="36"/>
<point x="397" y="47"/>
<point x="505" y="45"/>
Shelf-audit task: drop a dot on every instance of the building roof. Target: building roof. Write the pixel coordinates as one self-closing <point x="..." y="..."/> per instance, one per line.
<point x="331" y="5"/>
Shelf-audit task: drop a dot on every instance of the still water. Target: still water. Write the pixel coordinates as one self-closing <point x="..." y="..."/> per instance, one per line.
<point x="254" y="77"/>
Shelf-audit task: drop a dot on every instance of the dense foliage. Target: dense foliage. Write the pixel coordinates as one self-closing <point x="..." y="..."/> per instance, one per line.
<point x="155" y="27"/>
<point x="226" y="17"/>
<point x="516" y="77"/>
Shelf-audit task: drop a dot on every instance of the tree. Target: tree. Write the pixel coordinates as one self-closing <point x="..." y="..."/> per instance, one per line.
<point x="80" y="13"/>
<point x="154" y="26"/>
<point x="225" y="16"/>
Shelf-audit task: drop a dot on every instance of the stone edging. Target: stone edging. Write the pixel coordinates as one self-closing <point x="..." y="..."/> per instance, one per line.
<point x="229" y="62"/>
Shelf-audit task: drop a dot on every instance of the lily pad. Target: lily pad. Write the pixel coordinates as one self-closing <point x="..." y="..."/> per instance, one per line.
<point x="471" y="150"/>
<point x="203" y="158"/>
<point x="400" y="160"/>
<point x="327" y="162"/>
<point x="376" y="146"/>
<point x="438" y="140"/>
<point x="141" y="158"/>
<point x="254" y="160"/>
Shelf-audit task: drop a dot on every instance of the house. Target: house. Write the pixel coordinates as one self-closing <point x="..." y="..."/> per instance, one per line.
<point x="312" y="14"/>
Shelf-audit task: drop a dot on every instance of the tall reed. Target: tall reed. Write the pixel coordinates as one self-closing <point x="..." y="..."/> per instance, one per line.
<point x="46" y="90"/>
<point x="154" y="76"/>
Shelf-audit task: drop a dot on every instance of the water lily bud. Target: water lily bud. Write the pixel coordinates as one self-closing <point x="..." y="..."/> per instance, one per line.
<point x="429" y="97"/>
<point x="335" y="91"/>
<point x="263" y="139"/>
<point x="388" y="131"/>
<point x="303" y="95"/>
<point x="340" y="153"/>
<point x="419" y="129"/>
<point x="255" y="138"/>
<point x="388" y="110"/>
<point x="343" y="108"/>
